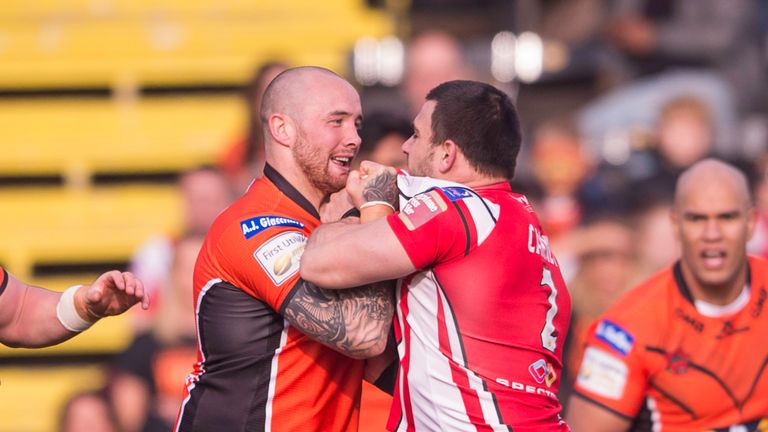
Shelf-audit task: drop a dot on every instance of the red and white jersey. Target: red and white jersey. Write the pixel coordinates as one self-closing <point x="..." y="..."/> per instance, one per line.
<point x="481" y="325"/>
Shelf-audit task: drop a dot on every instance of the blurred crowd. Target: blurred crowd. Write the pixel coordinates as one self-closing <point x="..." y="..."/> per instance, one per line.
<point x="632" y="92"/>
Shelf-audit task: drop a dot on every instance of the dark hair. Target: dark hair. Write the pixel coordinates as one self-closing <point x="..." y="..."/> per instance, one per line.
<point x="378" y="125"/>
<point x="482" y="121"/>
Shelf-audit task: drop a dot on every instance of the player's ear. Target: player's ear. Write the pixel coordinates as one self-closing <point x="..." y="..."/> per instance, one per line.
<point x="282" y="128"/>
<point x="446" y="155"/>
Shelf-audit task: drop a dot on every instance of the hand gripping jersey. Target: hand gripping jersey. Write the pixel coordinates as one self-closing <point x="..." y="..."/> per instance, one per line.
<point x="255" y="372"/>
<point x="653" y="358"/>
<point x="481" y="325"/>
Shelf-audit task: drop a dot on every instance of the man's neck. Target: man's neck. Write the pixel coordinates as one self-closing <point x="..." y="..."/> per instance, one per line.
<point x="716" y="295"/>
<point x="295" y="176"/>
<point x="471" y="178"/>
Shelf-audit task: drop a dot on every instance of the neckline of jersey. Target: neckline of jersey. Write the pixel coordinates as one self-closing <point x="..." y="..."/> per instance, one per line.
<point x="288" y="190"/>
<point x="686" y="292"/>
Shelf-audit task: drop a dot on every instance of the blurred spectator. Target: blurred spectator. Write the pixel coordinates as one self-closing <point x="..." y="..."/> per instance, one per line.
<point x="709" y="48"/>
<point x="383" y="135"/>
<point x="758" y="244"/>
<point x="88" y="411"/>
<point x="146" y="387"/>
<point x="606" y="255"/>
<point x="656" y="244"/>
<point x="563" y="193"/>
<point x="244" y="160"/>
<point x="432" y="58"/>
<point x="683" y="135"/>
<point x="204" y="193"/>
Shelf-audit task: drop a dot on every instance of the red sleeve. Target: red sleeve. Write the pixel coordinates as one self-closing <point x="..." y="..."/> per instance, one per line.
<point x="612" y="372"/>
<point x="432" y="229"/>
<point x="264" y="264"/>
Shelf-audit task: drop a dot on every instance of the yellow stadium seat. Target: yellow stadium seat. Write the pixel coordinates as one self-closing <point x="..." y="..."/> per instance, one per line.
<point x="82" y="226"/>
<point x="31" y="398"/>
<point x="79" y="137"/>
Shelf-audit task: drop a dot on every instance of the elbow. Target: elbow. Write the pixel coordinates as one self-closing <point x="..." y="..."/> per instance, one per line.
<point x="370" y="350"/>
<point x="313" y="270"/>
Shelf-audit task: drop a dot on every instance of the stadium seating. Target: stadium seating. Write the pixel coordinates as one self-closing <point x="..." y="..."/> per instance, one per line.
<point x="102" y="55"/>
<point x="112" y="43"/>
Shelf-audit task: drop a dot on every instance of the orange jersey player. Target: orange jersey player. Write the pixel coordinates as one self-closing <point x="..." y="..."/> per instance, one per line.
<point x="686" y="350"/>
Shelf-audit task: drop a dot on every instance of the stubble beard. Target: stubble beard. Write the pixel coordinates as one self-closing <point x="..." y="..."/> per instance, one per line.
<point x="315" y="168"/>
<point x="423" y="168"/>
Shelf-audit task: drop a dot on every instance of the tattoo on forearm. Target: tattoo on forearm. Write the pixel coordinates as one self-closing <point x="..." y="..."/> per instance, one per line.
<point x="383" y="187"/>
<point x="351" y="321"/>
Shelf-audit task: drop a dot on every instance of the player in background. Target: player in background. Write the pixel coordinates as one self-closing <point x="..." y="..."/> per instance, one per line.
<point x="482" y="309"/>
<point x="686" y="349"/>
<point x="33" y="317"/>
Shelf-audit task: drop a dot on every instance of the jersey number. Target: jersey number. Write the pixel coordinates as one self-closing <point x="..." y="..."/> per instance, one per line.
<point x="548" y="338"/>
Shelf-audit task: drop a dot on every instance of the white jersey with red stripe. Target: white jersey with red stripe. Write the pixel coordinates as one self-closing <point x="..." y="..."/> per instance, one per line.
<point x="481" y="325"/>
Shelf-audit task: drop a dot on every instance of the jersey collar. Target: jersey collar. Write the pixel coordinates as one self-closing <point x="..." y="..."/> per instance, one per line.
<point x="291" y="192"/>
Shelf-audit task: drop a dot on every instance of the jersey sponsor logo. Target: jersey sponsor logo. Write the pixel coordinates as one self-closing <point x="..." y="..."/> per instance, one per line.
<point x="602" y="373"/>
<point x="280" y="255"/>
<point x="525" y="388"/>
<point x="253" y="226"/>
<point x="677" y="362"/>
<point x="729" y="330"/>
<point x="542" y="372"/>
<point x="616" y="337"/>
<point x="422" y="208"/>
<point x="456" y="193"/>
<point x="758" y="308"/>
<point x="692" y="321"/>
<point x="523" y="200"/>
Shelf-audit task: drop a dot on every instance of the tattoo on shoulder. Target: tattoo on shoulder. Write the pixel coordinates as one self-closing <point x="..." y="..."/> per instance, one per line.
<point x="383" y="187"/>
<point x="350" y="321"/>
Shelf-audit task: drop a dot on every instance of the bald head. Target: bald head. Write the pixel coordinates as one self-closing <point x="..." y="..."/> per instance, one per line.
<point x="288" y="92"/>
<point x="709" y="175"/>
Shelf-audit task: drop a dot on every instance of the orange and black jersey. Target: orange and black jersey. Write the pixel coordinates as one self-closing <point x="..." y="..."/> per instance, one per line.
<point x="653" y="358"/>
<point x="3" y="280"/>
<point x="255" y="372"/>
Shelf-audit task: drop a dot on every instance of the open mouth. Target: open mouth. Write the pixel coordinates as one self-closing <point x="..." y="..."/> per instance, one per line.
<point x="713" y="259"/>
<point x="344" y="161"/>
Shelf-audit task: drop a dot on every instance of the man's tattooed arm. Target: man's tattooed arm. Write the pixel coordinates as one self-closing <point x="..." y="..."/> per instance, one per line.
<point x="383" y="187"/>
<point x="354" y="321"/>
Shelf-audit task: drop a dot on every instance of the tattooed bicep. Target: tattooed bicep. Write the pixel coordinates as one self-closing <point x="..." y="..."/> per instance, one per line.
<point x="353" y="321"/>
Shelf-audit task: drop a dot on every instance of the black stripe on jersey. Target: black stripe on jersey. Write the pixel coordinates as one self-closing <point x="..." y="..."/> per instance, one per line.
<point x="642" y="421"/>
<point x="291" y="192"/>
<point x="4" y="283"/>
<point x="465" y="362"/>
<point x="674" y="400"/>
<point x="466" y="227"/>
<point x="485" y="204"/>
<point x="238" y="336"/>
<point x="495" y="403"/>
<point x="605" y="407"/>
<point x="705" y="371"/>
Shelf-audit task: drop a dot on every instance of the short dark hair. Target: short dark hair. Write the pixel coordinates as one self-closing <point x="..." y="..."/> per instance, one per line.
<point x="482" y="121"/>
<point x="378" y="125"/>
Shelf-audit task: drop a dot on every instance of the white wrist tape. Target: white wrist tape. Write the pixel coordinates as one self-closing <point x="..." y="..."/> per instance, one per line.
<point x="375" y="203"/>
<point x="67" y="313"/>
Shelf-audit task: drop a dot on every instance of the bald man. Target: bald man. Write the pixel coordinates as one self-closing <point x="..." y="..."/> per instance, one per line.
<point x="274" y="351"/>
<point x="686" y="351"/>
